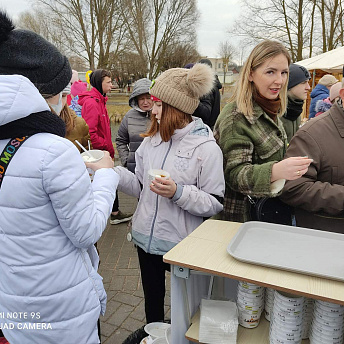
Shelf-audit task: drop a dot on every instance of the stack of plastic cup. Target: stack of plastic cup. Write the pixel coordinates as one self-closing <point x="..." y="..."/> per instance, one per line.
<point x="269" y="302"/>
<point x="308" y="308"/>
<point x="250" y="302"/>
<point x="327" y="324"/>
<point x="286" y="319"/>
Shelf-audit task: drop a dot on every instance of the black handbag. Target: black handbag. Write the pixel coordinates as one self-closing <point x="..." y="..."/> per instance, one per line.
<point x="270" y="209"/>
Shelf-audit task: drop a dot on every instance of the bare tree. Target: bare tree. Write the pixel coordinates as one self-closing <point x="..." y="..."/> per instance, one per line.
<point x="226" y="51"/>
<point x="331" y="14"/>
<point x="154" y="25"/>
<point x="77" y="63"/>
<point x="284" y="20"/>
<point x="293" y="23"/>
<point x="90" y="29"/>
<point x="41" y="23"/>
<point x="127" y="66"/>
<point x="179" y="54"/>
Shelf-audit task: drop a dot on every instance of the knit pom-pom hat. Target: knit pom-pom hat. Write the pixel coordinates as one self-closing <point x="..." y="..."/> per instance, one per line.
<point x="25" y="53"/>
<point x="182" y="88"/>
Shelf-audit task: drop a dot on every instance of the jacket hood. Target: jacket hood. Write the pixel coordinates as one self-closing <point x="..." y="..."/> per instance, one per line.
<point x="93" y="93"/>
<point x="323" y="105"/>
<point x="19" y="98"/>
<point x="320" y="90"/>
<point x="141" y="87"/>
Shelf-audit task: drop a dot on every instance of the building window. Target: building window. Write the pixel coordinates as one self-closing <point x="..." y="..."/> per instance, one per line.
<point x="219" y="65"/>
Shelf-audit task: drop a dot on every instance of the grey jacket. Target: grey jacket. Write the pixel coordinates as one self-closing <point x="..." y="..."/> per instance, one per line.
<point x="134" y="123"/>
<point x="194" y="161"/>
<point x="128" y="137"/>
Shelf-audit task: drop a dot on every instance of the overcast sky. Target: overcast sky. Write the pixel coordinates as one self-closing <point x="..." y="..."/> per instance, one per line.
<point x="216" y="16"/>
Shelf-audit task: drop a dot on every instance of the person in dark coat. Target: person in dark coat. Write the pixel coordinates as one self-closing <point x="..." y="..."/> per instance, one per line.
<point x="298" y="88"/>
<point x="317" y="196"/>
<point x="209" y="106"/>
<point x="135" y="122"/>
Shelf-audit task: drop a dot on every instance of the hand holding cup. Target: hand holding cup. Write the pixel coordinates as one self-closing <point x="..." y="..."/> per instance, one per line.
<point x="102" y="159"/>
<point x="161" y="183"/>
<point x="165" y="187"/>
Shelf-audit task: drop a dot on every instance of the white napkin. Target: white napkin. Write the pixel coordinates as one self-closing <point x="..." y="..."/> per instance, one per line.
<point x="219" y="322"/>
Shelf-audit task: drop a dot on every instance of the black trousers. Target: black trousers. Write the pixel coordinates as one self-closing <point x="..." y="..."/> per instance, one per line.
<point x="153" y="281"/>
<point x="115" y="203"/>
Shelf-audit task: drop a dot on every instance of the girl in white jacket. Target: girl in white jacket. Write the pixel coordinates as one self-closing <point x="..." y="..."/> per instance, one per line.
<point x="170" y="209"/>
<point x="51" y="215"/>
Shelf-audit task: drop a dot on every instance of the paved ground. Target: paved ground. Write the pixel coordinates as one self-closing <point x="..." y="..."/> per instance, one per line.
<point x="119" y="268"/>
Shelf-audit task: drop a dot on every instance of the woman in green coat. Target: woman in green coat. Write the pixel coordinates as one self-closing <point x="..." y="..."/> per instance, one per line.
<point x="251" y="135"/>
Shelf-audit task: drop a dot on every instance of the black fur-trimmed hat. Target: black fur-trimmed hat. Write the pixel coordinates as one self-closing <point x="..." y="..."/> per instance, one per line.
<point x="26" y="53"/>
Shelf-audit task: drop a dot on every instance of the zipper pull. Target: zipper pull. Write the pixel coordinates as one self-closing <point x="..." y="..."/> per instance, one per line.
<point x="251" y="200"/>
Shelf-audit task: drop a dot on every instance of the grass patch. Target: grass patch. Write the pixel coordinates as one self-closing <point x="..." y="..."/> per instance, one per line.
<point x="117" y="111"/>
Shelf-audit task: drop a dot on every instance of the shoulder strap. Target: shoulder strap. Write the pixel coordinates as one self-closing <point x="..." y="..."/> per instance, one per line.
<point x="8" y="153"/>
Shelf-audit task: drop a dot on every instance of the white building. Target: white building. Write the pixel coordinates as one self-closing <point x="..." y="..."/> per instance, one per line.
<point x="232" y="73"/>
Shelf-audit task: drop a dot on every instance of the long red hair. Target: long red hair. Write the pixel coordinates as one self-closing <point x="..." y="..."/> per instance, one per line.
<point x="171" y="119"/>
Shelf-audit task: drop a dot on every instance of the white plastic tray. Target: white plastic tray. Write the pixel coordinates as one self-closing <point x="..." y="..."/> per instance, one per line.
<point x="297" y="249"/>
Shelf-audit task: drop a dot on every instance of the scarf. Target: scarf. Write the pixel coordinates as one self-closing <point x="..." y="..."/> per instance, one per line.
<point x="294" y="109"/>
<point x="39" y="122"/>
<point x="96" y="80"/>
<point x="270" y="106"/>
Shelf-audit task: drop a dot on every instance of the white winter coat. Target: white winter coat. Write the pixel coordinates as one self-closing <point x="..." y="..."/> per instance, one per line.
<point x="51" y="216"/>
<point x="195" y="163"/>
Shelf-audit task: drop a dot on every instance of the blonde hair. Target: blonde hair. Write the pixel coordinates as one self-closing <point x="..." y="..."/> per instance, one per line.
<point x="243" y="92"/>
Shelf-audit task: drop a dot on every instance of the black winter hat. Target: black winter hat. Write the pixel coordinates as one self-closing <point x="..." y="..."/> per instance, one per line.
<point x="297" y="74"/>
<point x="26" y="53"/>
<point x="206" y="61"/>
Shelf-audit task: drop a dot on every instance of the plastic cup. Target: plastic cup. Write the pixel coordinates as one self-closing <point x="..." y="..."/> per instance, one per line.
<point x="156" y="329"/>
<point x="250" y="310"/>
<point x="247" y="285"/>
<point x="248" y="320"/>
<point x="152" y="173"/>
<point x="251" y="291"/>
<point x="97" y="155"/>
<point x="293" y="300"/>
<point x="328" y="311"/>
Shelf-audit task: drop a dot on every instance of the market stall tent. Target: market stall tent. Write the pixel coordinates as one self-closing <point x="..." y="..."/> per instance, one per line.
<point x="331" y="62"/>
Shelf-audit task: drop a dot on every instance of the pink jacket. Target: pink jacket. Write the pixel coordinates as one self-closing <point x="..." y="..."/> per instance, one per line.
<point x="96" y="116"/>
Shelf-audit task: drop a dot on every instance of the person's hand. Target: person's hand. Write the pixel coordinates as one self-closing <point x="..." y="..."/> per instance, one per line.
<point x="291" y="168"/>
<point x="164" y="187"/>
<point x="105" y="162"/>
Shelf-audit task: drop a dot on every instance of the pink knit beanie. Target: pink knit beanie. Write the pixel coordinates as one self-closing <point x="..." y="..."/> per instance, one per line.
<point x="78" y="87"/>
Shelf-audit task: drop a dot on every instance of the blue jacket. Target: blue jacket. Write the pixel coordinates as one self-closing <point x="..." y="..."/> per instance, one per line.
<point x="319" y="92"/>
<point x="51" y="216"/>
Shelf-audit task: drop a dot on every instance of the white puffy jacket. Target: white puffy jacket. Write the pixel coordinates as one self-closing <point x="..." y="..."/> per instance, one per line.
<point x="51" y="216"/>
